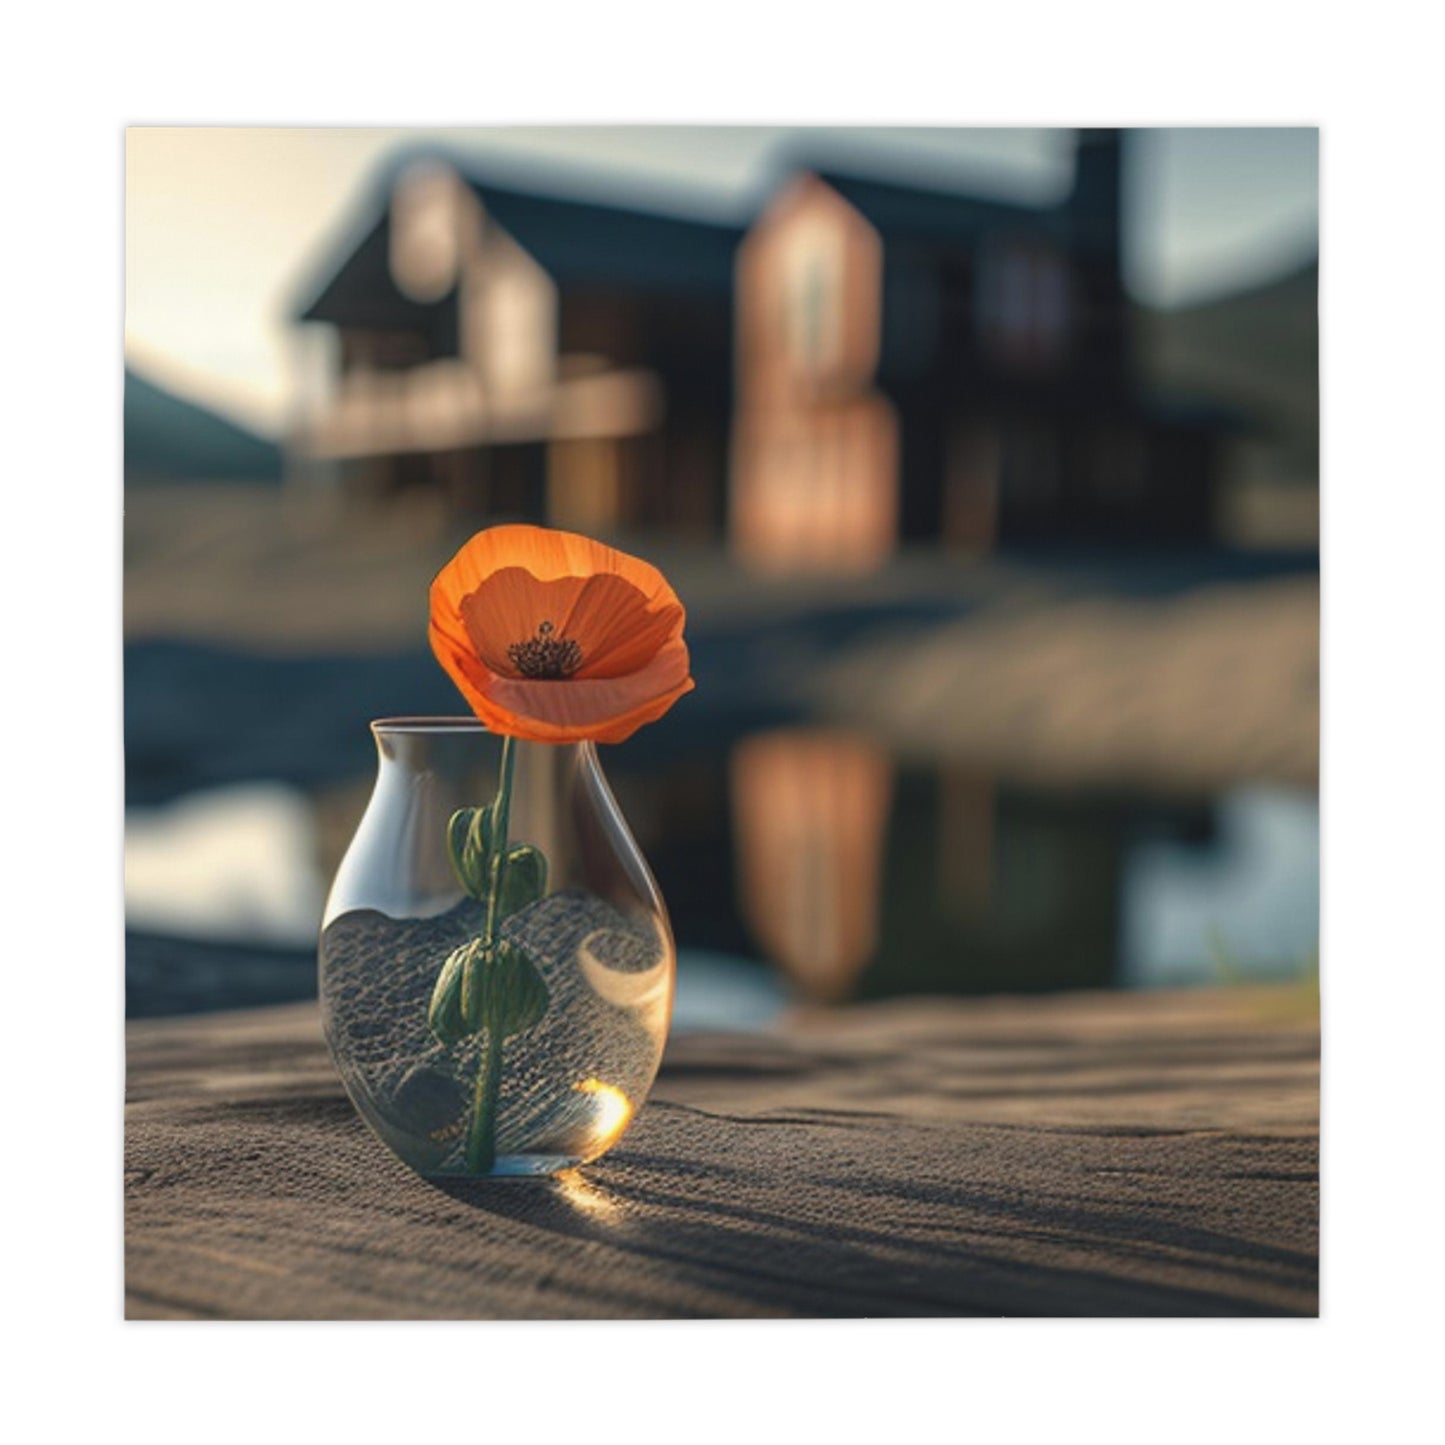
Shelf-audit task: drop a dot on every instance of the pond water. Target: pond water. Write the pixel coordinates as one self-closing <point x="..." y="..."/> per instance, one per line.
<point x="802" y="864"/>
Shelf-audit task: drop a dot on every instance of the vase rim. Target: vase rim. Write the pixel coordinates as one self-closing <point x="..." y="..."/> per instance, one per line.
<point x="412" y="727"/>
<point x="429" y="725"/>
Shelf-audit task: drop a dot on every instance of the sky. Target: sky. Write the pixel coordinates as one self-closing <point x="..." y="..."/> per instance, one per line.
<point x="225" y="227"/>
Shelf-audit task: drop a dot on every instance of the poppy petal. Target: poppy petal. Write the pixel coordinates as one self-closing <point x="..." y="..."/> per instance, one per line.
<point x="618" y="628"/>
<point x="506" y="582"/>
<point x="605" y="710"/>
<point x="546" y="554"/>
<point x="509" y="606"/>
<point x="462" y="665"/>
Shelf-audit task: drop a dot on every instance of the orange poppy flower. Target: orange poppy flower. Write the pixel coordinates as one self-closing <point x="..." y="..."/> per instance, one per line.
<point x="556" y="638"/>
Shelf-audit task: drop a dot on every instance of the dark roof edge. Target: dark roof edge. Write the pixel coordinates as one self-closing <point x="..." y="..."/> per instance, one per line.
<point x="333" y="253"/>
<point x="368" y="208"/>
<point x="791" y="157"/>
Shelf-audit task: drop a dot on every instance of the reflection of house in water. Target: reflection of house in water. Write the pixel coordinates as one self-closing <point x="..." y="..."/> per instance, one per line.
<point x="996" y="888"/>
<point x="867" y="363"/>
<point x="860" y="878"/>
<point x="810" y="819"/>
<point x="857" y="882"/>
<point x="989" y="889"/>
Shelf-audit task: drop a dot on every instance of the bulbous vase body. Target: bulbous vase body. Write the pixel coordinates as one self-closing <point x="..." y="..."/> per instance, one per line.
<point x="496" y="964"/>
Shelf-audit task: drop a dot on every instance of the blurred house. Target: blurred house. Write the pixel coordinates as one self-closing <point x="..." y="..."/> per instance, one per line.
<point x="866" y="364"/>
<point x="529" y="356"/>
<point x="925" y="367"/>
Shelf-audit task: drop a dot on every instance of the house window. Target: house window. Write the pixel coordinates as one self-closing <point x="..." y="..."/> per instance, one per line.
<point x="813" y="298"/>
<point x="1023" y="303"/>
<point x="382" y="350"/>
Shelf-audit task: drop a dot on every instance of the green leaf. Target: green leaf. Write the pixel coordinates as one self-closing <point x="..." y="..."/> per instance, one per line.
<point x="516" y="997"/>
<point x="445" y="1014"/>
<point x="524" y="880"/>
<point x="469" y="843"/>
<point x="476" y="958"/>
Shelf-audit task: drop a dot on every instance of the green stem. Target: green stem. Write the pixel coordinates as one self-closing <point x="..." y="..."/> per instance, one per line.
<point x="501" y="819"/>
<point x="482" y="1126"/>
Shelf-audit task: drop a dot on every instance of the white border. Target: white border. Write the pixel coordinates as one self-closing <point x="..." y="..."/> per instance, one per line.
<point x="1370" y="81"/>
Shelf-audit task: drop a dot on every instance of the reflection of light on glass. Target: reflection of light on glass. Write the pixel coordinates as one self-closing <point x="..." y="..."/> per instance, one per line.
<point x="623" y="987"/>
<point x="584" y="1195"/>
<point x="646" y="991"/>
<point x="612" y="1111"/>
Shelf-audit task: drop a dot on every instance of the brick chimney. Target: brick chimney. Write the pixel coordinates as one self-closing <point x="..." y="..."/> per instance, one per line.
<point x="1093" y="217"/>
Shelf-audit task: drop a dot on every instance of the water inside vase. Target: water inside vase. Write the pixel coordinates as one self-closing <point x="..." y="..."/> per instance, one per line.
<point x="569" y="1085"/>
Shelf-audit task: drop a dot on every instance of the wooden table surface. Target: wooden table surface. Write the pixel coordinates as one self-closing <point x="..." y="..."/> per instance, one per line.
<point x="1093" y="1154"/>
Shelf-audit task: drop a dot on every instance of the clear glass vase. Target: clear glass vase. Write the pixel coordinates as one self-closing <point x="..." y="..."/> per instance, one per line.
<point x="496" y="963"/>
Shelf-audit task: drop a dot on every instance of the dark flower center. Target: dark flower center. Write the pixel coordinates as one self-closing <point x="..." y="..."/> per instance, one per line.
<point x="545" y="656"/>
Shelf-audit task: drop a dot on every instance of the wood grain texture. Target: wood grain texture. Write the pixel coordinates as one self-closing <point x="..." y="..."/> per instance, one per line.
<point x="1085" y="1155"/>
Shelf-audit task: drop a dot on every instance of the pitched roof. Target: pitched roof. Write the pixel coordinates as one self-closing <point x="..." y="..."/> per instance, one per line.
<point x="914" y="213"/>
<point x="579" y="242"/>
<point x="361" y="291"/>
<point x="582" y="242"/>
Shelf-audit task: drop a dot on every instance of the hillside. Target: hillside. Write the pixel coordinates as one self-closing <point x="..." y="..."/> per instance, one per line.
<point x="1256" y="351"/>
<point x="169" y="439"/>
